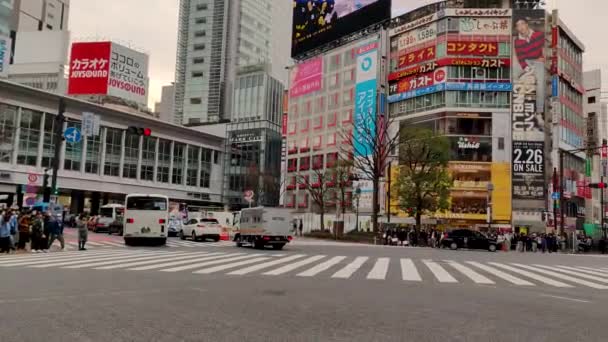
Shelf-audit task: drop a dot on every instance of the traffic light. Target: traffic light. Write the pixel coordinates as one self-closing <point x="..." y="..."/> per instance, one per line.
<point x="134" y="130"/>
<point x="600" y="185"/>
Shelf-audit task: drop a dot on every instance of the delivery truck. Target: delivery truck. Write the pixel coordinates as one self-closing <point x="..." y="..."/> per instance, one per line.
<point x="260" y="227"/>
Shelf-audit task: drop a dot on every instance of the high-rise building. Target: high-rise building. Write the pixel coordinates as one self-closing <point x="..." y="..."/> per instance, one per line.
<point x="214" y="39"/>
<point x="6" y="14"/>
<point x="40" y="15"/>
<point x="166" y="107"/>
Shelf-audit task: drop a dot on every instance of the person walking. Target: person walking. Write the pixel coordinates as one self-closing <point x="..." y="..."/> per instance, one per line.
<point x="5" y="232"/>
<point x="55" y="232"/>
<point x="83" y="232"/>
<point x="301" y="227"/>
<point x="37" y="234"/>
<point x="14" y="229"/>
<point x="24" y="230"/>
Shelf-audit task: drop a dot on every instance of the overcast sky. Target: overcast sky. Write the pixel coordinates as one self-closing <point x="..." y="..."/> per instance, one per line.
<point x="151" y="26"/>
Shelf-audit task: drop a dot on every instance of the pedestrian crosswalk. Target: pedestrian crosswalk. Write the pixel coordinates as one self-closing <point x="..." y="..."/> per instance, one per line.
<point x="73" y="244"/>
<point x="339" y="267"/>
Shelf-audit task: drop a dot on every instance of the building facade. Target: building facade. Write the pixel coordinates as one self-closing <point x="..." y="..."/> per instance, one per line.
<point x="166" y="106"/>
<point x="253" y="138"/>
<point x="6" y="15"/>
<point x="214" y="39"/>
<point x="182" y="163"/>
<point x="40" y="15"/>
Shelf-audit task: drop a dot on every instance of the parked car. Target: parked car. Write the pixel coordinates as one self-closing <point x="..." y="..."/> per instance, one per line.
<point x="465" y="238"/>
<point x="201" y="228"/>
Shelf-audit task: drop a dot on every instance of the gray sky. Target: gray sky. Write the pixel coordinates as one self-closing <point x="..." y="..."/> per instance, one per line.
<point x="151" y="26"/>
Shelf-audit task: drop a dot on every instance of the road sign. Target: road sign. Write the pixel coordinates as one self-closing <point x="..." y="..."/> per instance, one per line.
<point x="555" y="195"/>
<point x="32" y="178"/>
<point x="90" y="124"/>
<point x="72" y="135"/>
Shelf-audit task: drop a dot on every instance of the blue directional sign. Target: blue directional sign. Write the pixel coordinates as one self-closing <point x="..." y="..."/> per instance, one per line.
<point x="72" y="135"/>
<point x="555" y="195"/>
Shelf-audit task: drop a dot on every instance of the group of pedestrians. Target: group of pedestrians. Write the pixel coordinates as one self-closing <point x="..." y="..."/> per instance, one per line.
<point x="544" y="243"/>
<point x="40" y="230"/>
<point x="411" y="237"/>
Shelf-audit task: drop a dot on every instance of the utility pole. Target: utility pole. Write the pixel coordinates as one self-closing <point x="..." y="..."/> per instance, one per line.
<point x="388" y="194"/>
<point x="561" y="191"/>
<point x="555" y="200"/>
<point x="57" y="140"/>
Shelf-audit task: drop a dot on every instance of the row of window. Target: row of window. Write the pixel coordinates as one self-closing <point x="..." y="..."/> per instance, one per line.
<point x="317" y="162"/>
<point x="320" y="122"/>
<point x="35" y="127"/>
<point x="566" y="90"/>
<point x="570" y="49"/>
<point x="322" y="103"/>
<point x="465" y="99"/>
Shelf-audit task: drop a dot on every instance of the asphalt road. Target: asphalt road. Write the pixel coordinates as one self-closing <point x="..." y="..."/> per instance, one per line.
<point x="112" y="293"/>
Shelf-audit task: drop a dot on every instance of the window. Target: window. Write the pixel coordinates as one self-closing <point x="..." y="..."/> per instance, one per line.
<point x="317" y="162"/>
<point x="201" y="20"/>
<point x="348" y="96"/>
<point x="8" y="116"/>
<point x="178" y="163"/>
<point x="93" y="154"/>
<point x="332" y="118"/>
<point x="195" y="100"/>
<point x="147" y="203"/>
<point x="197" y="74"/>
<point x="198" y="60"/>
<point x="199" y="34"/>
<point x="129" y="169"/>
<point x="29" y="137"/>
<point x="501" y="144"/>
<point x="304" y="163"/>
<point x="199" y="47"/>
<point x="164" y="161"/>
<point x="205" y="178"/>
<point x="331" y="139"/>
<point x="591" y="99"/>
<point x="206" y="157"/>
<point x="113" y="148"/>
<point x="73" y="152"/>
<point x="148" y="152"/>
<point x="201" y="7"/>
<point x="216" y="157"/>
<point x="192" y="171"/>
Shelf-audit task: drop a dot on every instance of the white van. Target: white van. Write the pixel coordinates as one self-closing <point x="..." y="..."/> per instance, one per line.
<point x="146" y="218"/>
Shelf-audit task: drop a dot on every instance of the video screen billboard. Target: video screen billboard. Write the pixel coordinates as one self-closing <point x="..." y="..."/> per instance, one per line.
<point x="400" y="7"/>
<point x="317" y="22"/>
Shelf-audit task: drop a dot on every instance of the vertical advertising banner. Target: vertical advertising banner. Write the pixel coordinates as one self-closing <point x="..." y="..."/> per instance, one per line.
<point x="128" y="74"/>
<point x="365" y="99"/>
<point x="5" y="55"/>
<point x="89" y="68"/>
<point x="306" y="77"/>
<point x="528" y="105"/>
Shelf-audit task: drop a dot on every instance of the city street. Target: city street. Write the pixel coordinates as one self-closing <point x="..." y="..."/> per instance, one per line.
<point x="310" y="291"/>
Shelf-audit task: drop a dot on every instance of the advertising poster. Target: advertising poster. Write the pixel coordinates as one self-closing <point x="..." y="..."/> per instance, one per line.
<point x="316" y="23"/>
<point x="485" y="26"/>
<point x="365" y="99"/>
<point x="5" y="55"/>
<point x="89" y="68"/>
<point x="415" y="57"/>
<point x="472" y="48"/>
<point x="306" y="77"/>
<point x="417" y="36"/>
<point x="128" y="74"/>
<point x="418" y="81"/>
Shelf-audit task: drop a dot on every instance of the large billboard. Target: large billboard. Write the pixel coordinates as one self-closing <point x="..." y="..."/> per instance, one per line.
<point x="106" y="68"/>
<point x="306" y="77"/>
<point x="400" y="7"/>
<point x="528" y="106"/>
<point x="317" y="22"/>
<point x="365" y="100"/>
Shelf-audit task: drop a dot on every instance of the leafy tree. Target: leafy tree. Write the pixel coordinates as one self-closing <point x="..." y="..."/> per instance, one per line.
<point x="423" y="185"/>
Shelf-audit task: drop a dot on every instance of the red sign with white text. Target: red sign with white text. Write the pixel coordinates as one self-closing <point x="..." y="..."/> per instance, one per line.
<point x="418" y="81"/>
<point x="416" y="57"/>
<point x="89" y="68"/>
<point x="458" y="61"/>
<point x="473" y="48"/>
<point x="284" y="124"/>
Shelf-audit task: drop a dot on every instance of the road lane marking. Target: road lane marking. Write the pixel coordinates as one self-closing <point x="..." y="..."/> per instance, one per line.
<point x="291" y="267"/>
<point x="63" y="258"/>
<point x="35" y="256"/>
<point x="531" y="275"/>
<point x="574" y="273"/>
<point x="595" y="270"/>
<point x="190" y="257"/>
<point x="258" y="267"/>
<point x="563" y="277"/>
<point x="351" y="268"/>
<point x="114" y="244"/>
<point x="114" y="256"/>
<point x="93" y="243"/>
<point x="380" y="269"/>
<point x="409" y="271"/>
<point x="122" y="260"/>
<point x="500" y="274"/>
<point x="230" y="265"/>
<point x="566" y="298"/>
<point x="581" y="270"/>
<point x="439" y="272"/>
<point x="321" y="267"/>
<point x="474" y="276"/>
<point x="223" y="259"/>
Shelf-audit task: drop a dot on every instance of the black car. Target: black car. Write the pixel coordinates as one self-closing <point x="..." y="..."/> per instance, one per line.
<point x="465" y="238"/>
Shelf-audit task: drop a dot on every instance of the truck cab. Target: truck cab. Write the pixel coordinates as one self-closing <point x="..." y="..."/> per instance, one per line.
<point x="260" y="227"/>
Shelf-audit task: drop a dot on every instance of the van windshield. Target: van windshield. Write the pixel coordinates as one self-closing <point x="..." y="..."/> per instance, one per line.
<point x="106" y="212"/>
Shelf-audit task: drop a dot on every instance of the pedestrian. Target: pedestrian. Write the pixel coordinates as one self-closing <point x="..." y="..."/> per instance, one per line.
<point x="24" y="230"/>
<point x="55" y="232"/>
<point x="5" y="232"/>
<point x="295" y="226"/>
<point x="37" y="236"/>
<point x="534" y="243"/>
<point x="82" y="232"/>
<point x="500" y="240"/>
<point x="301" y="227"/>
<point x="543" y="243"/>
<point x="402" y="236"/>
<point x="521" y="243"/>
<point x="14" y="230"/>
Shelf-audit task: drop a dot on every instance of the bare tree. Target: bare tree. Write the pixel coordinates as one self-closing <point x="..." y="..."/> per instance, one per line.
<point x="370" y="145"/>
<point x="319" y="189"/>
<point x="343" y="176"/>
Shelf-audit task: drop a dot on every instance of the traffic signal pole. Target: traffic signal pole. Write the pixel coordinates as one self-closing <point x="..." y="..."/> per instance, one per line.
<point x="602" y="208"/>
<point x="57" y="140"/>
